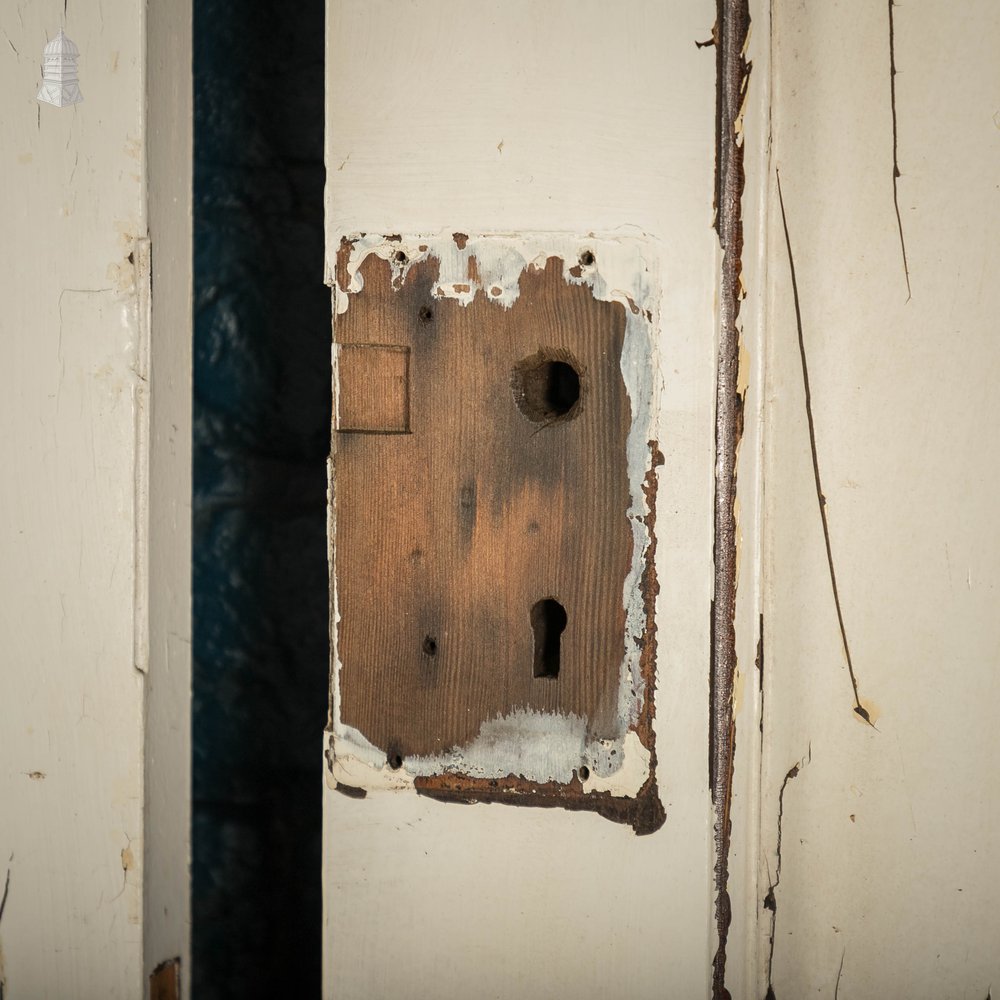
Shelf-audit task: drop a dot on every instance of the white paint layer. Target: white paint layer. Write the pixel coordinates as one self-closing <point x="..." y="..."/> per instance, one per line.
<point x="517" y="117"/>
<point x="890" y="865"/>
<point x="94" y="551"/>
<point x="71" y="700"/>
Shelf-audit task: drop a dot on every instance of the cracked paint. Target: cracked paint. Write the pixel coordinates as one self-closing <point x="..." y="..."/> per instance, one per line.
<point x="859" y="708"/>
<point x="895" y="145"/>
<point x="3" y="907"/>
<point x="770" y="901"/>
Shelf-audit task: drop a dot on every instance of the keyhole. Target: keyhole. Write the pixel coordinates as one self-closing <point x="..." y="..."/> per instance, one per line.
<point x="548" y="622"/>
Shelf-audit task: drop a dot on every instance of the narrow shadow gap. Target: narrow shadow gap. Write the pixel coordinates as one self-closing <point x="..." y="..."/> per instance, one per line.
<point x="261" y="437"/>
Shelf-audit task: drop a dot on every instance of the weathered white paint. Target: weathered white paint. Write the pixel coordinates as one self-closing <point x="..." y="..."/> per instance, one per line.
<point x="507" y="117"/>
<point x="74" y="405"/>
<point x="537" y="746"/>
<point x="890" y="842"/>
<point x="524" y="118"/>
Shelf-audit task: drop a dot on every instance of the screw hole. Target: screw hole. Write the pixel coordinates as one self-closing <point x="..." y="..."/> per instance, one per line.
<point x="584" y="772"/>
<point x="546" y="388"/>
<point x="401" y="257"/>
<point x="395" y="760"/>
<point x="426" y="314"/>
<point x="430" y="646"/>
<point x="587" y="258"/>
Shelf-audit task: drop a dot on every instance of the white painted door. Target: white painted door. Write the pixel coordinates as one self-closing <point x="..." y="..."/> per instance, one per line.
<point x="890" y="192"/>
<point x="94" y="490"/>
<point x="864" y="356"/>
<point x="538" y="119"/>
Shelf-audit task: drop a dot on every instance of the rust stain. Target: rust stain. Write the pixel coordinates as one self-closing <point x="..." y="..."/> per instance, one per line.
<point x="460" y="240"/>
<point x="733" y="73"/>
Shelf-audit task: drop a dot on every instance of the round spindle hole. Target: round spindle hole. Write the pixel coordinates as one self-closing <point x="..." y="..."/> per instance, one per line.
<point x="546" y="387"/>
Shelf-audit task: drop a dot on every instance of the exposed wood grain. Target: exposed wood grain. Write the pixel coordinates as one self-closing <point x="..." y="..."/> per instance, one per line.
<point x="165" y="981"/>
<point x="447" y="537"/>
<point x="644" y="812"/>
<point x="373" y="388"/>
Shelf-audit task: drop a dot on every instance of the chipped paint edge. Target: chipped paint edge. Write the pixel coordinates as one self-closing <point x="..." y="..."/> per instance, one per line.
<point x="531" y="749"/>
<point x="731" y="35"/>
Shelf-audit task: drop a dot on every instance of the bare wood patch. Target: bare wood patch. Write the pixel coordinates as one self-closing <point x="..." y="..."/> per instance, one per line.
<point x="481" y="559"/>
<point x="165" y="981"/>
<point x="511" y="490"/>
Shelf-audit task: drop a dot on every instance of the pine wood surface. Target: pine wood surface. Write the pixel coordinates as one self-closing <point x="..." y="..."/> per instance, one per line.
<point x="447" y="536"/>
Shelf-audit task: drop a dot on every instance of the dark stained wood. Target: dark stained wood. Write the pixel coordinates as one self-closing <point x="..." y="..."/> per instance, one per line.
<point x="448" y="536"/>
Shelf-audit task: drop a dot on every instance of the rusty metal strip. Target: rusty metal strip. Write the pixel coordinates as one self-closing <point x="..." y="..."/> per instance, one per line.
<point x="731" y="30"/>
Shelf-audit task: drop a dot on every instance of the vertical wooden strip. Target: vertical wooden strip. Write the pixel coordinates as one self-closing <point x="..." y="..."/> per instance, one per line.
<point x="732" y="27"/>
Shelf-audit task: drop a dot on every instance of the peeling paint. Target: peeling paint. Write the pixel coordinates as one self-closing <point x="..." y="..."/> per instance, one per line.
<point x="524" y="744"/>
<point x="542" y="749"/>
<point x="731" y="34"/>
